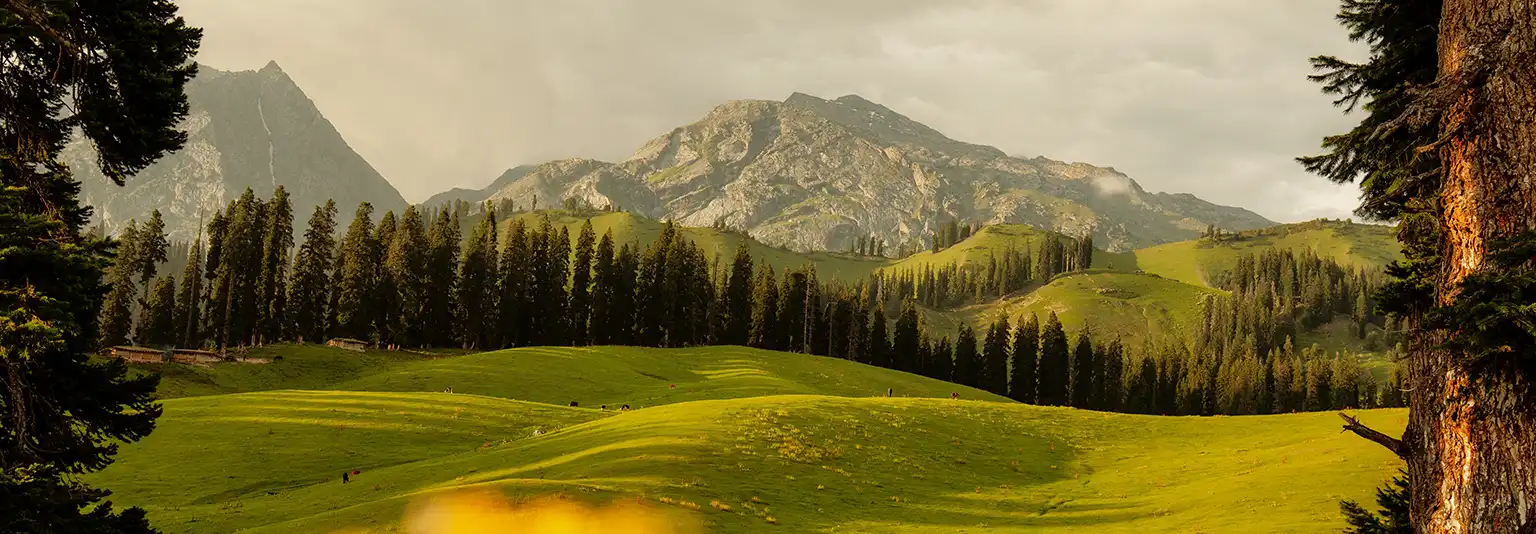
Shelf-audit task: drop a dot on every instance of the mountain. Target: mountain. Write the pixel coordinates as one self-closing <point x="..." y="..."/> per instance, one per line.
<point x="815" y="174"/>
<point x="252" y="129"/>
<point x="479" y="195"/>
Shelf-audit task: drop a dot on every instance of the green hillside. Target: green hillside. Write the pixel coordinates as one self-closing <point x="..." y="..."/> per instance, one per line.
<point x="1116" y="304"/>
<point x="270" y="462"/>
<point x="595" y="376"/>
<point x="640" y="231"/>
<point x="992" y="241"/>
<point x="1358" y="245"/>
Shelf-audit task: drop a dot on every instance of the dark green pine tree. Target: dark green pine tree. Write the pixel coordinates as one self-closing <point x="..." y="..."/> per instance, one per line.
<point x="1392" y="518"/>
<point x="272" y="282"/>
<point x="558" y="276"/>
<point x="1141" y="389"/>
<point x="405" y="266"/>
<point x="581" y="286"/>
<point x="117" y="310"/>
<point x="476" y="267"/>
<point x="149" y="252"/>
<point x="213" y="292"/>
<point x="114" y="72"/>
<point x="815" y="314"/>
<point x="879" y="340"/>
<point x="626" y="267"/>
<point x="1026" y="348"/>
<point x="386" y="296"/>
<point x="157" y="326"/>
<point x="604" y="274"/>
<point x="310" y="288"/>
<point x="1112" y="381"/>
<point x="906" y="343"/>
<point x="941" y="362"/>
<point x="791" y="314"/>
<point x="652" y="309"/>
<point x="966" y="357"/>
<point x="356" y="267"/>
<point x="1052" y="370"/>
<point x="514" y="276"/>
<point x="442" y="278"/>
<point x="234" y="285"/>
<point x="188" y="302"/>
<point x="765" y="314"/>
<point x="738" y="298"/>
<point x="857" y="332"/>
<point x="993" y="368"/>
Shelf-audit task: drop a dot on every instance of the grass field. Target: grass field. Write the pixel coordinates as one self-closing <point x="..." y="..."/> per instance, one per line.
<point x="995" y="240"/>
<point x="835" y="459"/>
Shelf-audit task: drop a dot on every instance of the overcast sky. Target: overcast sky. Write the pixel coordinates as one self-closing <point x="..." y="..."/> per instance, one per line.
<point x="1201" y="96"/>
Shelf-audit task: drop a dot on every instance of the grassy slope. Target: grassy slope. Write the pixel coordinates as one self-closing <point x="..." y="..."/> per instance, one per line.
<point x="629" y="228"/>
<point x="996" y="239"/>
<point x="1116" y="304"/>
<point x="594" y="376"/>
<point x="1358" y="245"/>
<point x="301" y="367"/>
<point x="817" y="463"/>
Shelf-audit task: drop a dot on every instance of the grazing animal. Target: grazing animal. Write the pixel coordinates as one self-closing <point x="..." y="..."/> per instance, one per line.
<point x="573" y="404"/>
<point x="889" y="391"/>
<point x="671" y="386"/>
<point x="346" y="477"/>
<point x="624" y="408"/>
<point x="955" y="395"/>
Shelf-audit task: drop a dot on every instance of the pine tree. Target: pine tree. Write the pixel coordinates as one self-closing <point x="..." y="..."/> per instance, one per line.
<point x="117" y="310"/>
<point x="624" y="286"/>
<point x="514" y="276"/>
<point x="442" y="278"/>
<point x="1112" y="382"/>
<point x="906" y="350"/>
<point x="1141" y="391"/>
<point x="355" y="263"/>
<point x="1083" y="365"/>
<point x="942" y="361"/>
<point x="188" y="301"/>
<point x="475" y="271"/>
<point x="791" y="315"/>
<point x="405" y="266"/>
<point x="557" y="266"/>
<point x="765" y="316"/>
<point x="149" y="253"/>
<point x="115" y="72"/>
<point x="739" y="298"/>
<point x="1026" y="349"/>
<point x="966" y="357"/>
<point x="309" y="290"/>
<point x="157" y="324"/>
<point x="581" y="285"/>
<point x="992" y="370"/>
<point x="603" y="275"/>
<point x="272" y="281"/>
<point x="1393" y="518"/>
<point x="385" y="297"/>
<point x="1052" y="369"/>
<point x="879" y="341"/>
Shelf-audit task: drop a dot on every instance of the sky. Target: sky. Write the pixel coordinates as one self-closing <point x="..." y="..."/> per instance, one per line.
<point x="1208" y="97"/>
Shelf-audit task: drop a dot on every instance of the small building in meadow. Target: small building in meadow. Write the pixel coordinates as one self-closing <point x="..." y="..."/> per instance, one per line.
<point x="190" y="356"/>
<point x="348" y="344"/>
<point x="138" y="354"/>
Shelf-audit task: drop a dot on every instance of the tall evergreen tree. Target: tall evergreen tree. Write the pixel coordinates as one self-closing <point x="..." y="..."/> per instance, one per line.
<point x="356" y="265"/>
<point x="386" y="296"/>
<point x="149" y="253"/>
<point x="188" y="301"/>
<point x="272" y="281"/>
<point x="157" y="326"/>
<point x="942" y="361"/>
<point x="966" y="357"/>
<point x="581" y="285"/>
<point x="1084" y="364"/>
<point x="879" y="340"/>
<point x="604" y="272"/>
<point x="117" y="310"/>
<point x="738" y="298"/>
<point x="1112" y="381"/>
<point x="309" y="290"/>
<point x="791" y="316"/>
<point x="993" y="369"/>
<point x="765" y="317"/>
<point x="1026" y="348"/>
<point x="476" y="267"/>
<point x="557" y="266"/>
<point x="514" y="278"/>
<point x="623" y="305"/>
<point x="405" y="266"/>
<point x="442" y="277"/>
<point x="115" y="72"/>
<point x="1052" y="369"/>
<point x="906" y="350"/>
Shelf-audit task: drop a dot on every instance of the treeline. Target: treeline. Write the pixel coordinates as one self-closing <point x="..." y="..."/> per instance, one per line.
<point x="414" y="281"/>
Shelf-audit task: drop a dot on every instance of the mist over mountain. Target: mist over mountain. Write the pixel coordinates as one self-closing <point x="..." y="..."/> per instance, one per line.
<point x="252" y="129"/>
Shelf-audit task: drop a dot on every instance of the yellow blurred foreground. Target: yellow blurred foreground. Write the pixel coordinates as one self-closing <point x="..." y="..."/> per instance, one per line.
<point x="483" y="512"/>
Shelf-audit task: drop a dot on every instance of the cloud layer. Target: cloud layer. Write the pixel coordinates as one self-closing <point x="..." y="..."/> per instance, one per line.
<point x="1200" y="96"/>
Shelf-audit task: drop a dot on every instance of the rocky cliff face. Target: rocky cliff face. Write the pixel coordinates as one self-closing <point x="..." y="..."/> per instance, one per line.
<point x="252" y="129"/>
<point x="814" y="174"/>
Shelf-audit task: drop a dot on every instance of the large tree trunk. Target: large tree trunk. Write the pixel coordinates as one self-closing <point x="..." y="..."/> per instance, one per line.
<point x="1471" y="441"/>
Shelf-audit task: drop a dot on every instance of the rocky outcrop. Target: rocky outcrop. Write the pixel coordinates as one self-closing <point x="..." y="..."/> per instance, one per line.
<point x="814" y="174"/>
<point x="252" y="129"/>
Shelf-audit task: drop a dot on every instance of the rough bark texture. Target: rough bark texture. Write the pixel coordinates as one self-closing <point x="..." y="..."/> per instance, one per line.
<point x="1472" y="437"/>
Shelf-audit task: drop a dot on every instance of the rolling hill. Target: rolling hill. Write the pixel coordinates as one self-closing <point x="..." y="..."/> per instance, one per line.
<point x="1353" y="244"/>
<point x="1130" y="306"/>
<point x="813" y="463"/>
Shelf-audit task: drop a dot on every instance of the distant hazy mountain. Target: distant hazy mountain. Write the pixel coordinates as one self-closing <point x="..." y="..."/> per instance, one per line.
<point x="251" y="129"/>
<point x="815" y="174"/>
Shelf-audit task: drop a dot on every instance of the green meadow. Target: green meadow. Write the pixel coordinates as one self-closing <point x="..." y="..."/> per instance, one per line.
<point x="807" y="441"/>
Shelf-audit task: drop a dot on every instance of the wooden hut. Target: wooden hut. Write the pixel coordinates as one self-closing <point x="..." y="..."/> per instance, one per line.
<point x="348" y="344"/>
<point x="138" y="354"/>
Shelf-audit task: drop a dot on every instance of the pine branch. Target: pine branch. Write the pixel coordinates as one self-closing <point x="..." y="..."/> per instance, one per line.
<point x="37" y="20"/>
<point x="1392" y="444"/>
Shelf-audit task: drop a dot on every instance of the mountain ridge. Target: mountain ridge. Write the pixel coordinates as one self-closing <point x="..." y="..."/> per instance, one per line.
<point x="816" y="174"/>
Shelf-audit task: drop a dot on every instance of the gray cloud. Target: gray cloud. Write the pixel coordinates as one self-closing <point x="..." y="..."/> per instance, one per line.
<point x="1200" y="96"/>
